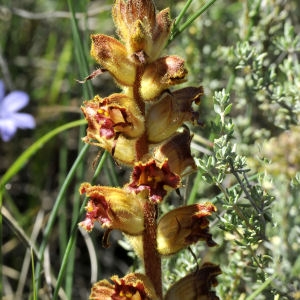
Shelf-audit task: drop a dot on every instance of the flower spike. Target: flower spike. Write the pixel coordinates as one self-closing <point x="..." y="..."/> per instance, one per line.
<point x="143" y="127"/>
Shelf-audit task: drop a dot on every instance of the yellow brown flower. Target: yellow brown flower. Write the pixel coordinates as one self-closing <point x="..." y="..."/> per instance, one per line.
<point x="112" y="56"/>
<point x="114" y="208"/>
<point x="113" y="124"/>
<point x="133" y="286"/>
<point x="196" y="286"/>
<point x="183" y="226"/>
<point x="160" y="75"/>
<point x="166" y="116"/>
<point x="143" y="31"/>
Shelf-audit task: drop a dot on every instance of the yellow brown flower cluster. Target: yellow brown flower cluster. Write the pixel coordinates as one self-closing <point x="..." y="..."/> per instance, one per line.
<point x="143" y="127"/>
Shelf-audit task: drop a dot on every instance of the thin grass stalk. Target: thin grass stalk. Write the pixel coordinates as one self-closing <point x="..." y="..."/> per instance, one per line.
<point x="22" y="160"/>
<point x="182" y="13"/>
<point x="75" y="216"/>
<point x="33" y="272"/>
<point x="55" y="209"/>
<point x="81" y="58"/>
<point x="179" y="29"/>
<point x="73" y="234"/>
<point x="62" y="221"/>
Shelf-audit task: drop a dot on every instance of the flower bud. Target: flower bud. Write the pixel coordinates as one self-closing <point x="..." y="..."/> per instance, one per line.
<point x="136" y="22"/>
<point x="161" y="33"/>
<point x="133" y="286"/>
<point x="155" y="178"/>
<point x="184" y="226"/>
<point x="167" y="115"/>
<point x="196" y="286"/>
<point x="125" y="15"/>
<point x="160" y="75"/>
<point x="112" y="55"/>
<point x="178" y="152"/>
<point x="114" y="208"/>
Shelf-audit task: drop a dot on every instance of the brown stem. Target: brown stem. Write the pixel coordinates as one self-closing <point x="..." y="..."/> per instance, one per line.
<point x="152" y="259"/>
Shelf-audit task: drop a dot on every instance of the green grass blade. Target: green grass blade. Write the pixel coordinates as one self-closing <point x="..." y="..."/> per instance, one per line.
<point x="29" y="152"/>
<point x="182" y="13"/>
<point x="81" y="55"/>
<point x="72" y="238"/>
<point x="33" y="281"/>
<point x="262" y="287"/>
<point x="179" y="29"/>
<point x="55" y="209"/>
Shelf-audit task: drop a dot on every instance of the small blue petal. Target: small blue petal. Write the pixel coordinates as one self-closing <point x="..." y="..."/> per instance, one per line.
<point x="14" y="101"/>
<point x="23" y="120"/>
<point x="7" y="129"/>
<point x="2" y="91"/>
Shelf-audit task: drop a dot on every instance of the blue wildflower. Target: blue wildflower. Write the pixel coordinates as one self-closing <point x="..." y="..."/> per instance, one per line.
<point x="10" y="118"/>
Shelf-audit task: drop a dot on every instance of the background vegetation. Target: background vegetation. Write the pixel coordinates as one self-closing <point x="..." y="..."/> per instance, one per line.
<point x="246" y="55"/>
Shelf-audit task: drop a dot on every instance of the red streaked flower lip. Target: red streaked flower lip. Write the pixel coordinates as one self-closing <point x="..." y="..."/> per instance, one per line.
<point x="154" y="177"/>
<point x="133" y="286"/>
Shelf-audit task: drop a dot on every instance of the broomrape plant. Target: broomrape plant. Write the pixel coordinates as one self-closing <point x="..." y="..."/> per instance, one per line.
<point x="143" y="127"/>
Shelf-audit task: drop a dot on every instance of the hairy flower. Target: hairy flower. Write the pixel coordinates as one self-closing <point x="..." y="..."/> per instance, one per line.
<point x="144" y="32"/>
<point x="184" y="226"/>
<point x="113" y="123"/>
<point x="167" y="115"/>
<point x="161" y="75"/>
<point x="112" y="56"/>
<point x="112" y="115"/>
<point x="154" y="177"/>
<point x="10" y="118"/>
<point x="114" y="208"/>
<point x="133" y="286"/>
<point x="196" y="286"/>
